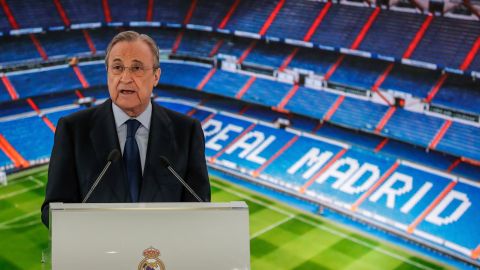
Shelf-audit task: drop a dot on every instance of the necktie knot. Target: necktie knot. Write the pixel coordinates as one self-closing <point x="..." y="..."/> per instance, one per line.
<point x="132" y="127"/>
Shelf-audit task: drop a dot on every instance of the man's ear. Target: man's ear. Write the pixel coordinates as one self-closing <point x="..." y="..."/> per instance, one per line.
<point x="158" y="72"/>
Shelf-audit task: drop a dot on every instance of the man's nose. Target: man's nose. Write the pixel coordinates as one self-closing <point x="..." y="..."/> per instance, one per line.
<point x="126" y="75"/>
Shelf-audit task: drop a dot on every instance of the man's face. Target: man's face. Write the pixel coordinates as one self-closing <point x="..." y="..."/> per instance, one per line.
<point x="131" y="89"/>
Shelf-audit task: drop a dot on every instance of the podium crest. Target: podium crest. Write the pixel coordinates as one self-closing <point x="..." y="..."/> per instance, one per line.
<point x="151" y="260"/>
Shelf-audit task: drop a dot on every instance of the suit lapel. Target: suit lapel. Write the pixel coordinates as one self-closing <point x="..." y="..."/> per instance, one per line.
<point x="160" y="143"/>
<point x="104" y="138"/>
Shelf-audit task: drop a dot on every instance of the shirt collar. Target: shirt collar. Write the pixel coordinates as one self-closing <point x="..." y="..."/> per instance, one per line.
<point x="121" y="117"/>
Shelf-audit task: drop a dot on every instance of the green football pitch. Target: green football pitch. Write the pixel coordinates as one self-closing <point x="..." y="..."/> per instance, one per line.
<point x="281" y="237"/>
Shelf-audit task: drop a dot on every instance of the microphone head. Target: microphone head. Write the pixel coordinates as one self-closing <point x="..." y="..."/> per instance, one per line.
<point x="114" y="155"/>
<point x="164" y="161"/>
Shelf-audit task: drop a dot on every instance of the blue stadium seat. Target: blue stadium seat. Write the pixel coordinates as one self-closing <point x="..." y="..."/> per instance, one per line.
<point x="313" y="59"/>
<point x="29" y="136"/>
<point x="225" y="83"/>
<point x="442" y="44"/>
<point x="86" y="12"/>
<point x="341" y="25"/>
<point x="462" y="140"/>
<point x="197" y="43"/>
<point x="459" y="92"/>
<point x="32" y="13"/>
<point x="186" y="75"/>
<point x="170" y="11"/>
<point x="266" y="92"/>
<point x="415" y="128"/>
<point x="301" y="13"/>
<point x="16" y="49"/>
<point x="94" y="73"/>
<point x="29" y="84"/>
<point x="392" y="32"/>
<point x="359" y="72"/>
<point x="250" y="15"/>
<point x="269" y="54"/>
<point x="137" y="10"/>
<point x="302" y="103"/>
<point x="358" y="114"/>
<point x="415" y="81"/>
<point x="64" y="43"/>
<point x="210" y="13"/>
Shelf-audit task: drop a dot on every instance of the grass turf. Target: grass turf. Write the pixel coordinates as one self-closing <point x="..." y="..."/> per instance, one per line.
<point x="281" y="237"/>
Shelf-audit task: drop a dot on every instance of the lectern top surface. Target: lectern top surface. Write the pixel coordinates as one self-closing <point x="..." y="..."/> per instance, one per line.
<point x="148" y="206"/>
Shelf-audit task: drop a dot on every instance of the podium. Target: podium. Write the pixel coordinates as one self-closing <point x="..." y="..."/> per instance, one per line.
<point x="160" y="236"/>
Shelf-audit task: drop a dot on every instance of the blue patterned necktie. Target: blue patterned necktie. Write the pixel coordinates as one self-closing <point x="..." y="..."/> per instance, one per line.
<point x="131" y="159"/>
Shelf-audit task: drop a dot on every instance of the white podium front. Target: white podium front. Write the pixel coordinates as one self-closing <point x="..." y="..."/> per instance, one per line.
<point x="160" y="236"/>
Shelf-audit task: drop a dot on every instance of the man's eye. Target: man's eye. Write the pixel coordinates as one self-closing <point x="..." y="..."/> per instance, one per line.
<point x="136" y="68"/>
<point x="117" y="67"/>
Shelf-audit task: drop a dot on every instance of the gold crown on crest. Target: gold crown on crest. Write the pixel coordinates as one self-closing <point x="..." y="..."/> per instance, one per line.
<point x="151" y="253"/>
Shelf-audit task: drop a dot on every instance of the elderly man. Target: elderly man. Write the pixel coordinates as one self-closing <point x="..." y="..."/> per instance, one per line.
<point x="131" y="123"/>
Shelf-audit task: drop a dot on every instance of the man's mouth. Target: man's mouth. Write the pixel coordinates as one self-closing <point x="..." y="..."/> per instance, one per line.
<point x="126" y="91"/>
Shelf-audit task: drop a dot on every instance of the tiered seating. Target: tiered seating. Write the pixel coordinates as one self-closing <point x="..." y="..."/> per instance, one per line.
<point x="183" y="74"/>
<point x="302" y="103"/>
<point x="164" y="38"/>
<point x="341" y="25"/>
<point x="86" y="11"/>
<point x="4" y="23"/>
<point x="235" y="46"/>
<point x="197" y="43"/>
<point x="32" y="13"/>
<point x="348" y="135"/>
<point x="250" y="15"/>
<point x="415" y="81"/>
<point x="462" y="140"/>
<point x="33" y="83"/>
<point x="360" y="114"/>
<point x="64" y="44"/>
<point x="415" y="128"/>
<point x="4" y="96"/>
<point x="392" y="32"/>
<point x="459" y="92"/>
<point x="359" y="72"/>
<point x="210" y="13"/>
<point x="225" y="83"/>
<point x="170" y="11"/>
<point x="18" y="48"/>
<point x="101" y="37"/>
<point x="442" y="43"/>
<point x="301" y="13"/>
<point x="269" y="54"/>
<point x="314" y="60"/>
<point x="94" y="73"/>
<point x="266" y="92"/>
<point x="407" y="151"/>
<point x="62" y="99"/>
<point x="29" y="136"/>
<point x="137" y="10"/>
<point x="475" y="65"/>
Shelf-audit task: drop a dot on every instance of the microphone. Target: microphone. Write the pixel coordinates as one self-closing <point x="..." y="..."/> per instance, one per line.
<point x="112" y="157"/>
<point x="167" y="165"/>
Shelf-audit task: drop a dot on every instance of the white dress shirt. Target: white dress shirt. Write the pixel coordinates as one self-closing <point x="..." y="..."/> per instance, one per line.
<point x="142" y="132"/>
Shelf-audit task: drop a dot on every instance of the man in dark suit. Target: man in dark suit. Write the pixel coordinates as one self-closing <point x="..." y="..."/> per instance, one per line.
<point x="130" y="122"/>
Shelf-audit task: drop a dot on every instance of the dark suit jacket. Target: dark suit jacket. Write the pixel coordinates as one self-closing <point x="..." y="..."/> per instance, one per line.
<point x="84" y="140"/>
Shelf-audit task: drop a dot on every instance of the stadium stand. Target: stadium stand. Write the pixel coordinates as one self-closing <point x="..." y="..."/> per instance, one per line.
<point x="347" y="148"/>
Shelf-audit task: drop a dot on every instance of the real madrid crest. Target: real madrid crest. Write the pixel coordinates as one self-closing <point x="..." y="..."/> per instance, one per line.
<point x="151" y="260"/>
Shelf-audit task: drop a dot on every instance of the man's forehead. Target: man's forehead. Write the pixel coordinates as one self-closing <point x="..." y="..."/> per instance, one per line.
<point x="132" y="51"/>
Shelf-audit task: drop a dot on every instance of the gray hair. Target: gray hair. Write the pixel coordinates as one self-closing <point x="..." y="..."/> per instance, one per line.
<point x="131" y="36"/>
